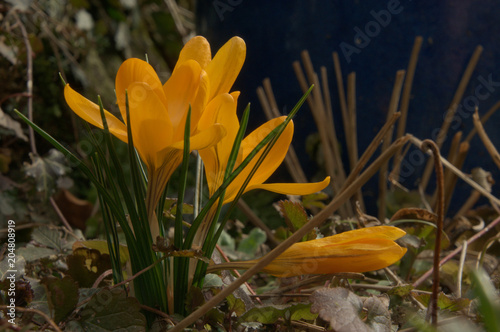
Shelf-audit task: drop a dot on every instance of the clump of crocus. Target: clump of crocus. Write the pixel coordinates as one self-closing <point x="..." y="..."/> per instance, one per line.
<point x="158" y="111"/>
<point x="361" y="250"/>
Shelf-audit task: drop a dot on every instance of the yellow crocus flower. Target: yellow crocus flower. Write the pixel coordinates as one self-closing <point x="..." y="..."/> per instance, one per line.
<point x="158" y="111"/>
<point x="215" y="158"/>
<point x="361" y="250"/>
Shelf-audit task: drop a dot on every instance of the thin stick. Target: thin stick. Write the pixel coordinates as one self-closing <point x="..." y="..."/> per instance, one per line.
<point x="450" y="114"/>
<point x="29" y="80"/>
<point x="351" y="134"/>
<point x="318" y="110"/>
<point x="469" y="203"/>
<point x="461" y="269"/>
<point x="340" y="173"/>
<point x="484" y="118"/>
<point x="257" y="221"/>
<point x="452" y="155"/>
<point x="314" y="222"/>
<point x="428" y="144"/>
<point x="452" y="181"/>
<point x="60" y="214"/>
<point x="485" y="230"/>
<point x="301" y="78"/>
<point x="382" y="180"/>
<point x="486" y="140"/>
<point x="270" y="96"/>
<point x="250" y="290"/>
<point x="405" y="98"/>
<point x="341" y="92"/>
<point x="370" y="150"/>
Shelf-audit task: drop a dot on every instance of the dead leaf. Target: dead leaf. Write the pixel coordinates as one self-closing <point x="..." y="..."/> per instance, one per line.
<point x="340" y="307"/>
<point x="415" y="213"/>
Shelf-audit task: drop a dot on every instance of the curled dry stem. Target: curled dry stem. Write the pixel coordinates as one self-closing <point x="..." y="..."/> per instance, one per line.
<point x="430" y="145"/>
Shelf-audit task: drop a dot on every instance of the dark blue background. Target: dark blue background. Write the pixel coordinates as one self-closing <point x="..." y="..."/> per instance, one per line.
<point x="277" y="31"/>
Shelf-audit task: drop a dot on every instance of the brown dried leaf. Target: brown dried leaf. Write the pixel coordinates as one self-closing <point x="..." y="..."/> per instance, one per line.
<point x="415" y="213"/>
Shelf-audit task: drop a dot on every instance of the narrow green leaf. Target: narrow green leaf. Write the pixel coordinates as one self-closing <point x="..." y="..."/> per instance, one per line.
<point x="488" y="300"/>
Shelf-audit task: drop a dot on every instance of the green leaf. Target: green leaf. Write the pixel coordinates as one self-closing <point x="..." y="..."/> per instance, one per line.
<point x="170" y="208"/>
<point x="400" y="290"/>
<point x="236" y="305"/>
<point x="445" y="301"/>
<point x="112" y="310"/>
<point x="270" y="314"/>
<point x="314" y="200"/>
<point x="252" y="242"/>
<point x="488" y="300"/>
<point x="48" y="237"/>
<point x="62" y="296"/>
<point x="212" y="281"/>
<point x="295" y="216"/>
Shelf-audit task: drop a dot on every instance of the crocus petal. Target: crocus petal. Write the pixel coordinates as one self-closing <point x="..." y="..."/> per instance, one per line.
<point x="90" y="112"/>
<point x="203" y="139"/>
<point x="135" y="71"/>
<point x="180" y="91"/>
<point x="198" y="49"/>
<point x="361" y="250"/>
<point x="151" y="128"/>
<point x="225" y="66"/>
<point x="222" y="109"/>
<point x="292" y="188"/>
<point x="359" y="256"/>
<point x="274" y="158"/>
<point x="201" y="101"/>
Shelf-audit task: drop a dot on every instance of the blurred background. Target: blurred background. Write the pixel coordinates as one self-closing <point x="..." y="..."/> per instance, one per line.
<point x="85" y="41"/>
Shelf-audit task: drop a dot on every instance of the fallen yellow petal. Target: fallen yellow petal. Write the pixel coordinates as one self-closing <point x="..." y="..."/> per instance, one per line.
<point x="361" y="250"/>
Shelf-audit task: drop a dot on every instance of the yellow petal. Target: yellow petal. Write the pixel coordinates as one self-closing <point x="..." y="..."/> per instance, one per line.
<point x="225" y="66"/>
<point x="200" y="102"/>
<point x="198" y="49"/>
<point x="181" y="90"/>
<point x="151" y="127"/>
<point x="90" y="112"/>
<point x="203" y="139"/>
<point x="277" y="154"/>
<point x="136" y="71"/>
<point x="292" y="188"/>
<point x="361" y="256"/>
<point x="221" y="110"/>
<point x="360" y="250"/>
